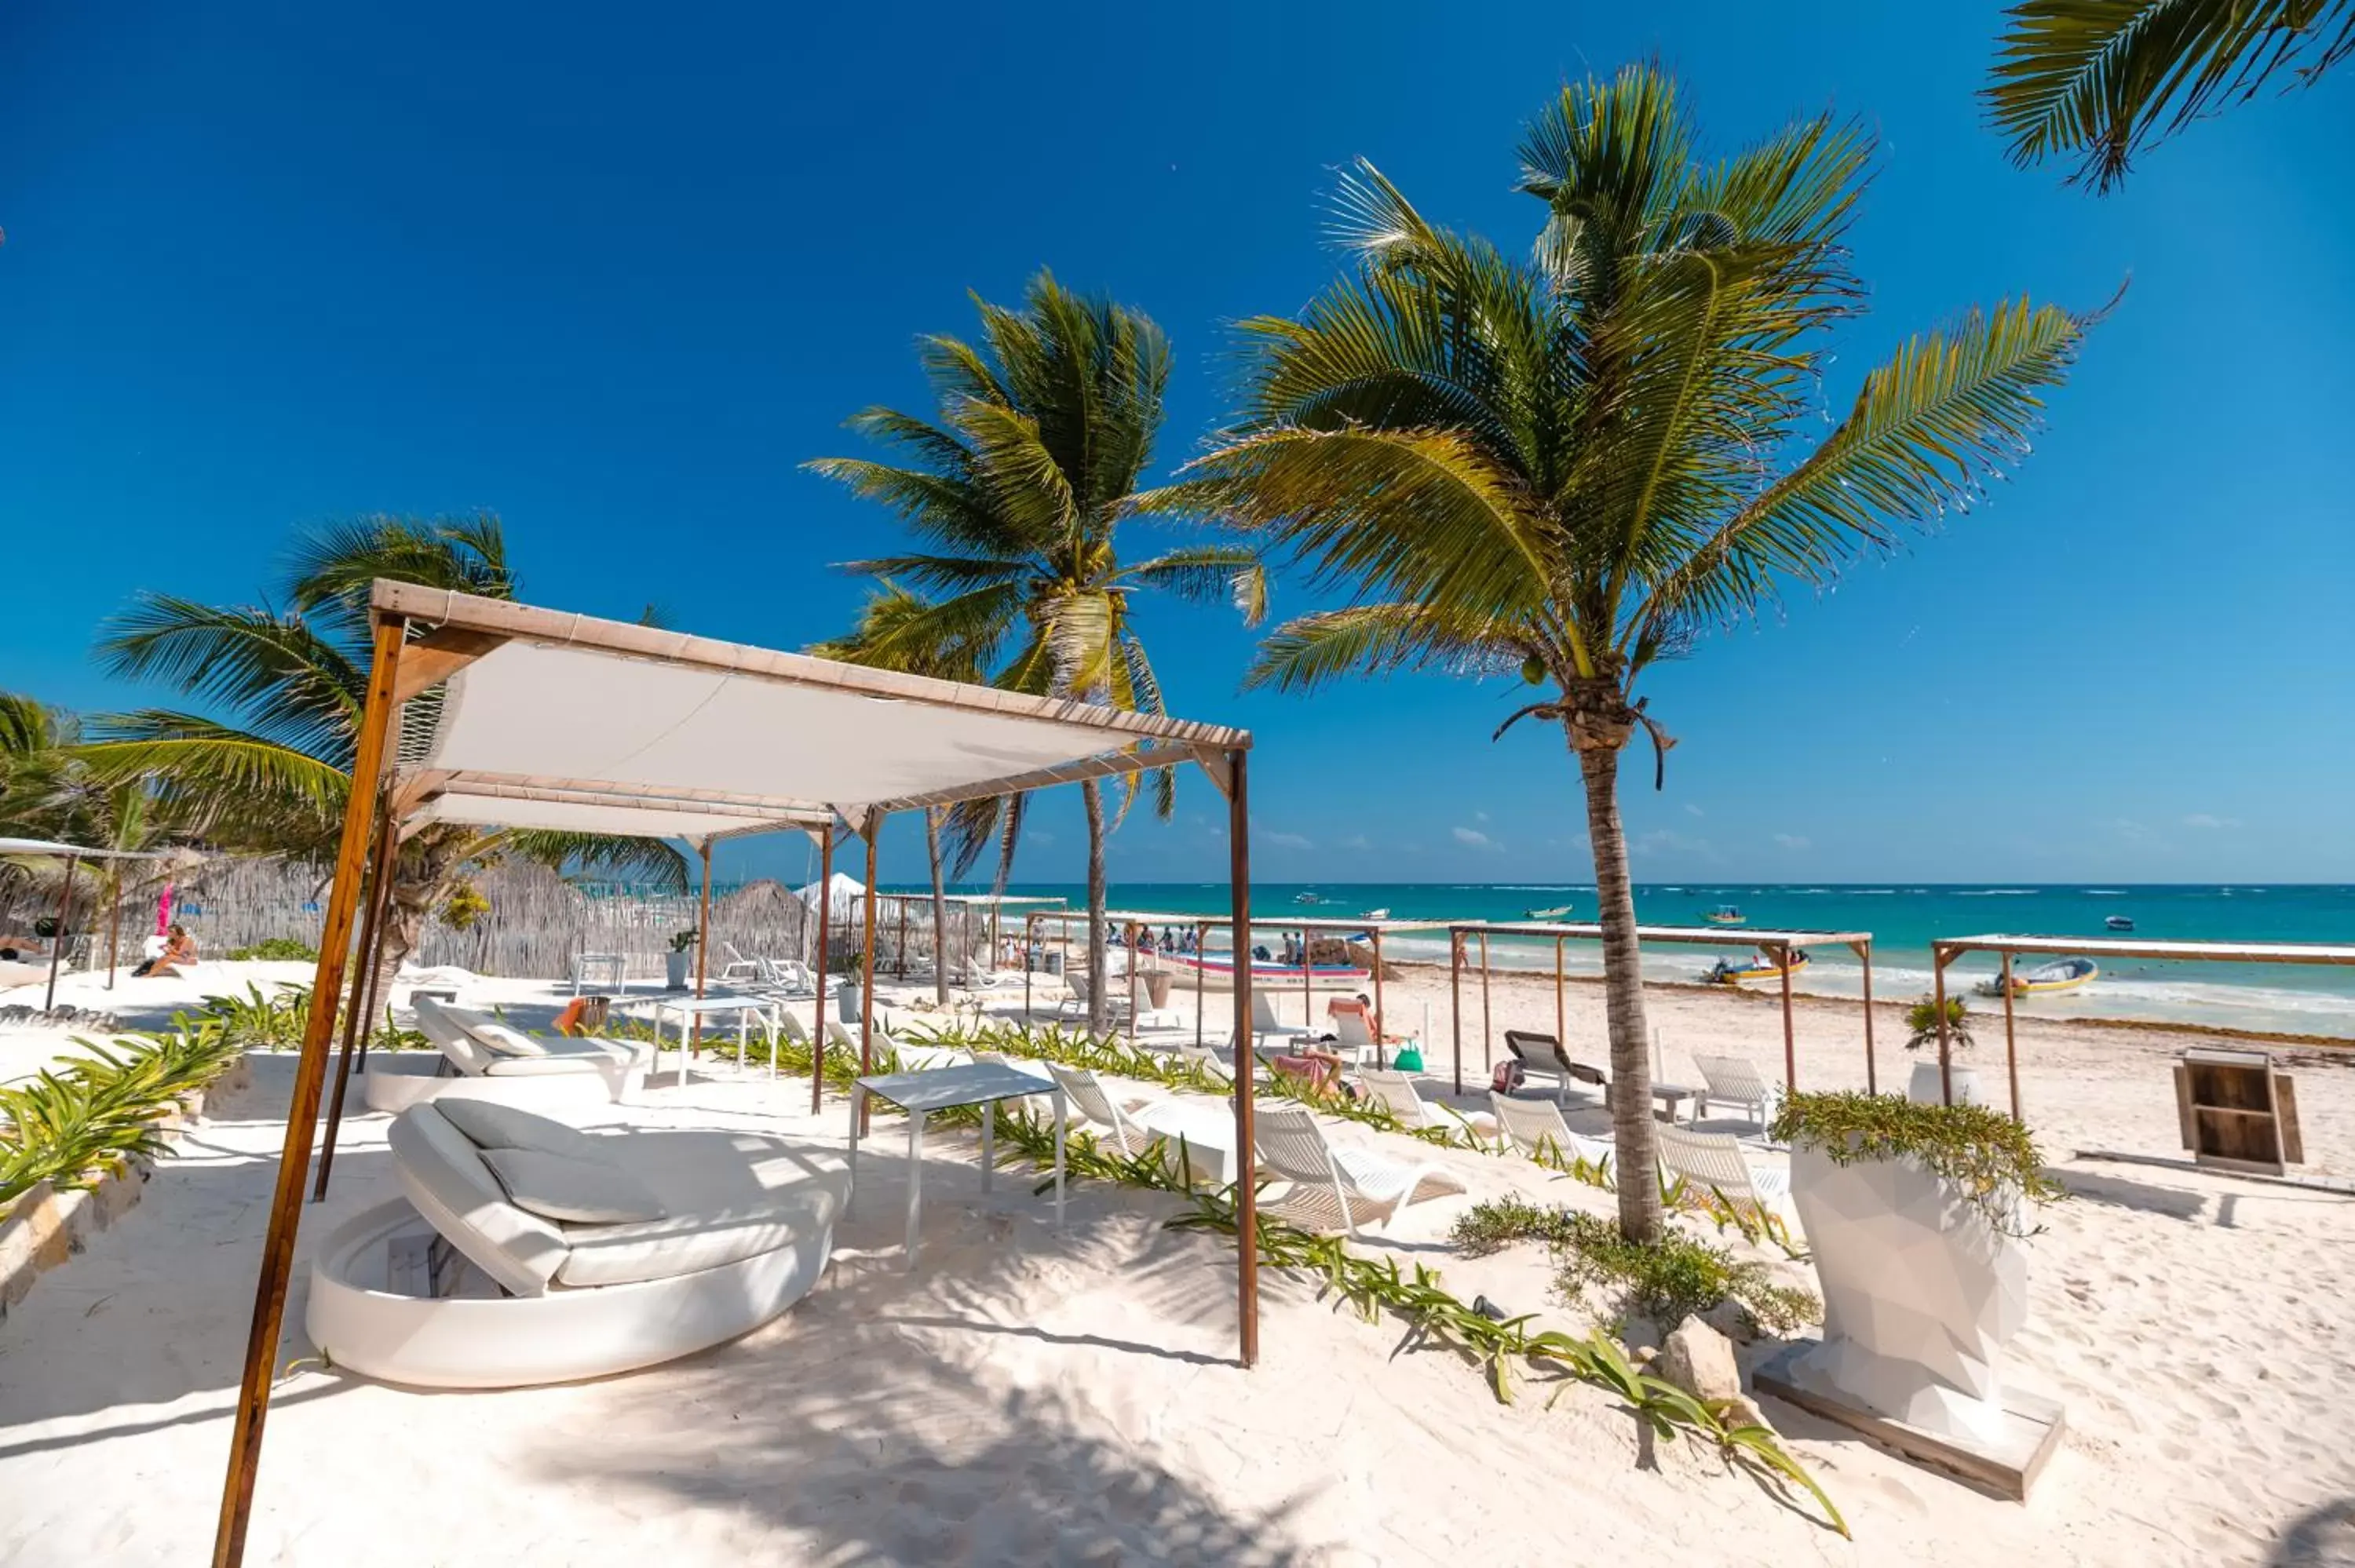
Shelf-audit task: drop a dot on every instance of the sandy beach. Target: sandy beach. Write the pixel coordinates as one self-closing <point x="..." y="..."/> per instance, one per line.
<point x="1031" y="1395"/>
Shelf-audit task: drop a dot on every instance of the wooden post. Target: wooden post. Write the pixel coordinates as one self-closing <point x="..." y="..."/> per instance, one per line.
<point x="1132" y="984"/>
<point x="2010" y="1046"/>
<point x="1201" y="931"/>
<point x="1938" y="959"/>
<point x="1487" y="1029"/>
<point x="57" y="937"/>
<point x="1561" y="1015"/>
<point x="302" y="1114"/>
<point x="1790" y="1044"/>
<point x="702" y="940"/>
<point x="1455" y="998"/>
<point x="1307" y="980"/>
<point x="1381" y="1046"/>
<point x="1871" y="1078"/>
<point x="1246" y="1060"/>
<point x="379" y="883"/>
<point x="817" y="1009"/>
<point x="867" y="970"/>
<point x="114" y="923"/>
<point x="1030" y="941"/>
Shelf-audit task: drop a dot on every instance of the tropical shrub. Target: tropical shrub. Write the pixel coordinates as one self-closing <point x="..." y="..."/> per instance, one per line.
<point x="272" y="1022"/>
<point x="1993" y="1159"/>
<point x="1666" y="1280"/>
<point x="276" y="949"/>
<point x="83" y="1119"/>
<point x="1921" y="1022"/>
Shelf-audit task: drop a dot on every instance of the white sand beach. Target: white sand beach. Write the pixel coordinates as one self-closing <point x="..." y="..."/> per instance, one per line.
<point x="1029" y="1395"/>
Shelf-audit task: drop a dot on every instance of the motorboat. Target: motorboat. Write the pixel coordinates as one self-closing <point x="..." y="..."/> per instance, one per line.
<point x="1217" y="972"/>
<point x="1376" y="914"/>
<point x="1307" y="898"/>
<point x="1756" y="967"/>
<point x="2066" y="974"/>
<point x="1559" y="912"/>
<point x="1725" y="914"/>
<point x="2120" y="922"/>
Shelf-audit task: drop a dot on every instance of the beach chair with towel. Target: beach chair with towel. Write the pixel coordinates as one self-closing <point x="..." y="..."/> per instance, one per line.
<point x="1736" y="1081"/>
<point x="1537" y="1127"/>
<point x="1335" y="1188"/>
<point x="1713" y="1163"/>
<point x="1541" y="1055"/>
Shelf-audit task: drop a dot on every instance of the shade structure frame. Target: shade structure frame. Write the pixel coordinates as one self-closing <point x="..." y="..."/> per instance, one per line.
<point x="466" y="629"/>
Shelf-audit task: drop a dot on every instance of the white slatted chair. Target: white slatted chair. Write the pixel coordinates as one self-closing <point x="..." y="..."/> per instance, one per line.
<point x="1736" y="1081"/>
<point x="1206" y="1058"/>
<point x="1712" y="1163"/>
<point x="1535" y="1126"/>
<point x="911" y="1058"/>
<point x="738" y="968"/>
<point x="1076" y="1004"/>
<point x="1112" y="1123"/>
<point x="1397" y="1091"/>
<point x="1333" y="1189"/>
<point x="1266" y="1026"/>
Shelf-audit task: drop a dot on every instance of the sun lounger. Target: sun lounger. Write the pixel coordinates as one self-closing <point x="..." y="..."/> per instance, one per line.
<point x="1713" y="1163"/>
<point x="1207" y="1057"/>
<point x="1111" y="1123"/>
<point x="1736" y="1081"/>
<point x="1333" y="1189"/>
<point x="1541" y="1055"/>
<point x="732" y="1228"/>
<point x="1536" y="1128"/>
<point x="478" y="1045"/>
<point x="1397" y="1091"/>
<point x="1265" y="1026"/>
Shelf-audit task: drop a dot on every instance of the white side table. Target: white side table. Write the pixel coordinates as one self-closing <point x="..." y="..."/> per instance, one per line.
<point x="941" y="1088"/>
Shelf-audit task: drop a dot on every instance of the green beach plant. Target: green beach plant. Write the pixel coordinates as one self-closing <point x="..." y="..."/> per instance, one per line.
<point x="1666" y="1279"/>
<point x="276" y="949"/>
<point x="1571" y="466"/>
<point x="268" y="1022"/>
<point x="1921" y="1022"/>
<point x="1016" y="492"/>
<point x="84" y="1118"/>
<point x="1991" y="1158"/>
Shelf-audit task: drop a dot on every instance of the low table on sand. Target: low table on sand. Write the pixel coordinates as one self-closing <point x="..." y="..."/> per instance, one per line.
<point x="693" y="1009"/>
<point x="944" y="1088"/>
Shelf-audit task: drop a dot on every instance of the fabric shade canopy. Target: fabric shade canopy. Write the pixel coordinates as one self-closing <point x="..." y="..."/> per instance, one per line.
<point x="49" y="849"/>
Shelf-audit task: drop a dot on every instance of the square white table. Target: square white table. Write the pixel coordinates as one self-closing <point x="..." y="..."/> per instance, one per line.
<point x="692" y="1008"/>
<point x="1207" y="1128"/>
<point x="616" y="964"/>
<point x="943" y="1089"/>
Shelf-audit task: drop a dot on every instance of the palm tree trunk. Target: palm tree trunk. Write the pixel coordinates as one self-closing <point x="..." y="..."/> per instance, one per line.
<point x="1638" y="1153"/>
<point x="939" y="908"/>
<point x="419" y="878"/>
<point x="1098" y="1014"/>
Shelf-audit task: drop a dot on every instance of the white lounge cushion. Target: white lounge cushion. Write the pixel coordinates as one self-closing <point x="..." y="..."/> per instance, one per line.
<point x="688" y="1244"/>
<point x="443" y="1174"/>
<point x="573" y="1192"/>
<point x="489" y="1125"/>
<point x="507" y="1041"/>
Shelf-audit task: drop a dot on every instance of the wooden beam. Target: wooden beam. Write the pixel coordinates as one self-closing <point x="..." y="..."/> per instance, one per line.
<point x="439" y="654"/>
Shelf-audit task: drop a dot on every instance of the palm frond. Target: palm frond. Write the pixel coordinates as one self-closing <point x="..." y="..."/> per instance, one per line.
<point x="1313" y="651"/>
<point x="2107" y="79"/>
<point x="1208" y="574"/>
<point x="230" y="784"/>
<point x="657" y="862"/>
<point x="274" y="671"/>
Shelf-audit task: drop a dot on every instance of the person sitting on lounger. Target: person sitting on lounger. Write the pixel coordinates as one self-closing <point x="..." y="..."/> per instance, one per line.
<point x="1320" y="1068"/>
<point x="179" y="947"/>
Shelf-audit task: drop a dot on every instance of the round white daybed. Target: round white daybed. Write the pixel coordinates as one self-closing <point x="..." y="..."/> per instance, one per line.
<point x="745" y="1228"/>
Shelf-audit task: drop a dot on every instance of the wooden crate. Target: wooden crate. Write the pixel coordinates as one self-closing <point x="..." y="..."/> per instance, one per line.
<point x="2236" y="1113"/>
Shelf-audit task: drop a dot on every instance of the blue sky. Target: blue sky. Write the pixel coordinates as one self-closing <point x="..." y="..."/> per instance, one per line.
<point x="617" y="276"/>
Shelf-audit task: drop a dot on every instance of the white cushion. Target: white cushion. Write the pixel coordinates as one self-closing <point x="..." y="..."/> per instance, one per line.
<point x="490" y="1125"/>
<point x="509" y="1042"/>
<point x="687" y="1243"/>
<point x="445" y="1176"/>
<point x="573" y="1191"/>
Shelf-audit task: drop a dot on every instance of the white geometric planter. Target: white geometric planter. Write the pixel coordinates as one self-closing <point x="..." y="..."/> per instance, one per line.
<point x="677" y="966"/>
<point x="1921" y="1294"/>
<point x="1922" y="1086"/>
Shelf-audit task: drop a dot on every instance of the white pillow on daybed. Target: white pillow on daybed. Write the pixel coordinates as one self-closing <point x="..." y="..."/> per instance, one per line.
<point x="506" y="1041"/>
<point x="487" y="1124"/>
<point x="573" y="1192"/>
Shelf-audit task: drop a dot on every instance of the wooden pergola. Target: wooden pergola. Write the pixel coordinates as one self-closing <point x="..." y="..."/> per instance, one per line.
<point x="1133" y="920"/>
<point x="965" y="904"/>
<point x="550" y="720"/>
<point x="1779" y="944"/>
<point x="73" y="856"/>
<point x="1945" y="950"/>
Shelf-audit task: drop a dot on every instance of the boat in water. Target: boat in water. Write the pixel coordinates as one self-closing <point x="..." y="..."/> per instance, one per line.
<point x="1217" y="971"/>
<point x="1756" y="967"/>
<point x="1725" y="914"/>
<point x="1559" y="912"/>
<point x="2120" y="922"/>
<point x="2067" y="974"/>
<point x="1307" y="898"/>
<point x="1375" y="914"/>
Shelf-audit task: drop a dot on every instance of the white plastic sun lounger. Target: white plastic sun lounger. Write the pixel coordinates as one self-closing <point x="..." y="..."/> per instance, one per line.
<point x="1397" y="1091"/>
<point x="1266" y="1026"/>
<point x="478" y="1045"/>
<point x="741" y="1227"/>
<point x="1333" y="1189"/>
<point x="1736" y="1081"/>
<point x="1113" y="1122"/>
<point x="1712" y="1161"/>
<point x="1534" y="1126"/>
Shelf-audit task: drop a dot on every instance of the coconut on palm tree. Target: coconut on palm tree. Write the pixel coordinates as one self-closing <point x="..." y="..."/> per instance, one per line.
<point x="2105" y="79"/>
<point x="267" y="769"/>
<point x="1016" y="491"/>
<point x="895" y="632"/>
<point x="1570" y="466"/>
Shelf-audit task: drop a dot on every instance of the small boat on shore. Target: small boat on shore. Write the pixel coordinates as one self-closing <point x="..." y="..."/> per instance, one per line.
<point x="2067" y="974"/>
<point x="1217" y="973"/>
<point x="1559" y="912"/>
<point x="2120" y="922"/>
<point x="1725" y="914"/>
<point x="1756" y="967"/>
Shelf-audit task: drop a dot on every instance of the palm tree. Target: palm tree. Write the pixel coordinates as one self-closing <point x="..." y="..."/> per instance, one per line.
<point x="2105" y="81"/>
<point x="271" y="776"/>
<point x="883" y="639"/>
<point x="1016" y="493"/>
<point x="1569" y="467"/>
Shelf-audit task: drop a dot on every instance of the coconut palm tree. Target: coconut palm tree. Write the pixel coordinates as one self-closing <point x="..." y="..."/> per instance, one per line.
<point x="1570" y="466"/>
<point x="1015" y="492"/>
<point x="882" y="640"/>
<point x="272" y="776"/>
<point x="2105" y="79"/>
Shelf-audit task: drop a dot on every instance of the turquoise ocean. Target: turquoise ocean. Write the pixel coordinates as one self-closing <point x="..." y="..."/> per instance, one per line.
<point x="1902" y="918"/>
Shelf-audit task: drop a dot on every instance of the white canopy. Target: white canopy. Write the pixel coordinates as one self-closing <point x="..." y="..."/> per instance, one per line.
<point x="844" y="893"/>
<point x="563" y="710"/>
<point x="50" y="849"/>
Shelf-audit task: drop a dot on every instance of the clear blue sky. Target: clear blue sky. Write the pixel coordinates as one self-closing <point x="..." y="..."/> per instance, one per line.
<point x="615" y="272"/>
